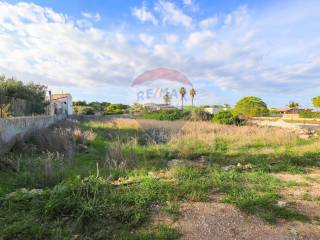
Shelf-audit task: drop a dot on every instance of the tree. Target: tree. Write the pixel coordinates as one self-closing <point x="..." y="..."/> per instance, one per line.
<point x="79" y="103"/>
<point x="251" y="107"/>
<point x="316" y="102"/>
<point x="182" y="92"/>
<point x="84" y="110"/>
<point x="227" y="106"/>
<point x="33" y="94"/>
<point x="116" y="108"/>
<point x="192" y="94"/>
<point x="293" y="104"/>
<point x="167" y="98"/>
<point x="136" y="108"/>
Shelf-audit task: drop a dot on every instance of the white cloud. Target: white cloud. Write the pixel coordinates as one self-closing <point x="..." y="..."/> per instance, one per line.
<point x="69" y="57"/>
<point x="188" y="2"/>
<point x="171" y="14"/>
<point x="146" y="39"/>
<point x="199" y="39"/>
<point x="172" y="38"/>
<point x="249" y="52"/>
<point x="237" y="17"/>
<point x="191" y="5"/>
<point x="144" y="15"/>
<point x="208" y="22"/>
<point x="95" y="17"/>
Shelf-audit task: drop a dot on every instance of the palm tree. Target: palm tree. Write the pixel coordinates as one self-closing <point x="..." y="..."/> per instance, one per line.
<point x="167" y="98"/>
<point x="293" y="105"/>
<point x="182" y="92"/>
<point x="192" y="94"/>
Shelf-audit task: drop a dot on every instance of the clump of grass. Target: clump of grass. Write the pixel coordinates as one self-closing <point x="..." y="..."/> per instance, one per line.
<point x="38" y="170"/>
<point x="81" y="137"/>
<point x="77" y="134"/>
<point x="81" y="207"/>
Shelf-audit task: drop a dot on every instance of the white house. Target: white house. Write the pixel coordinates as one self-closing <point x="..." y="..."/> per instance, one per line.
<point x="214" y="110"/>
<point x="61" y="103"/>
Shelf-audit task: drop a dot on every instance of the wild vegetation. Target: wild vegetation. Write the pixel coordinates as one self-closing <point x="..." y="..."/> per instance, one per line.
<point x="30" y="97"/>
<point x="114" y="175"/>
<point x="101" y="108"/>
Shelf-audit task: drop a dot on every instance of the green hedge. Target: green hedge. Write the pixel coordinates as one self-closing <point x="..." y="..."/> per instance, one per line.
<point x="170" y="115"/>
<point x="309" y="114"/>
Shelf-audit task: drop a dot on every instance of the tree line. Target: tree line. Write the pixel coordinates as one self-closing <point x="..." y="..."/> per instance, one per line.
<point x="32" y="94"/>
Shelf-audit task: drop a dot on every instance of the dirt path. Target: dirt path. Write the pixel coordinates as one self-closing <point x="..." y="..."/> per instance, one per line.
<point x="217" y="221"/>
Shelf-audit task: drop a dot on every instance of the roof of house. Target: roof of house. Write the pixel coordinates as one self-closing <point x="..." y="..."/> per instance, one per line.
<point x="59" y="96"/>
<point x="159" y="106"/>
<point x="287" y="109"/>
<point x="284" y="109"/>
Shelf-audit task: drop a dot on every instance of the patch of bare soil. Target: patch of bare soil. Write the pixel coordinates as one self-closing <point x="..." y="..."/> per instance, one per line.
<point x="304" y="196"/>
<point x="218" y="221"/>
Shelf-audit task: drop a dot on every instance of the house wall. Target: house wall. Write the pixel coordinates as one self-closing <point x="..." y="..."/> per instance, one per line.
<point x="213" y="110"/>
<point x="290" y="116"/>
<point x="69" y="105"/>
<point x="13" y="130"/>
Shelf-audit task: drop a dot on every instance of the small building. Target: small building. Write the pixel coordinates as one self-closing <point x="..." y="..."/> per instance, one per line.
<point x="288" y="113"/>
<point x="153" y="107"/>
<point x="288" y="110"/>
<point x="61" y="103"/>
<point x="214" y="110"/>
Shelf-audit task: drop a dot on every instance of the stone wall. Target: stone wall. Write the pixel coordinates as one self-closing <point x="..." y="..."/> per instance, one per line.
<point x="17" y="129"/>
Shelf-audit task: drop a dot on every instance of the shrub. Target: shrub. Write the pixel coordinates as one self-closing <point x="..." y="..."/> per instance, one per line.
<point x="116" y="109"/>
<point x="198" y="114"/>
<point x="251" y="107"/>
<point x="226" y="117"/>
<point x="5" y="110"/>
<point x="83" y="110"/>
<point x="170" y="115"/>
<point x="309" y="114"/>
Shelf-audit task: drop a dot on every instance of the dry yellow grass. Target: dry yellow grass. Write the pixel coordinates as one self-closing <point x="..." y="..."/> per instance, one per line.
<point x="188" y="137"/>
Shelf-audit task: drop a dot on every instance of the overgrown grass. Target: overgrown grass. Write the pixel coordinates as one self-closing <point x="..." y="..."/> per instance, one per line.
<point x="134" y="178"/>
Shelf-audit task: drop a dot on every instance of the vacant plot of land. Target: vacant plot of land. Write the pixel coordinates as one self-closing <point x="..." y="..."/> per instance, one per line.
<point x="123" y="179"/>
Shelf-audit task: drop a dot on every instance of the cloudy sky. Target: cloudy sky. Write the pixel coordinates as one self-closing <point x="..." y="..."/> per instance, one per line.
<point x="94" y="49"/>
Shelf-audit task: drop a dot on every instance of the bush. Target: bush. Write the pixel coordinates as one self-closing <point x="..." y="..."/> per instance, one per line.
<point x="226" y="117"/>
<point x="309" y="114"/>
<point x="170" y="115"/>
<point x="116" y="109"/>
<point x="83" y="110"/>
<point x="251" y="107"/>
<point x="198" y="114"/>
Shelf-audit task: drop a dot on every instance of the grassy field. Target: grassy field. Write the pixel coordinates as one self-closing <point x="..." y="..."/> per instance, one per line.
<point x="122" y="171"/>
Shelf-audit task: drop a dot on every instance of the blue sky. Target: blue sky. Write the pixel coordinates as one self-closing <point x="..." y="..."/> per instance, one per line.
<point x="228" y="49"/>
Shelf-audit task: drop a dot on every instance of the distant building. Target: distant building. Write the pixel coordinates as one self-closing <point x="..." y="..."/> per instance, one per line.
<point x="61" y="103"/>
<point x="214" y="110"/>
<point x="287" y="110"/>
<point x="157" y="107"/>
